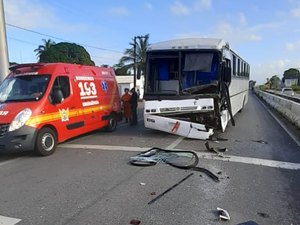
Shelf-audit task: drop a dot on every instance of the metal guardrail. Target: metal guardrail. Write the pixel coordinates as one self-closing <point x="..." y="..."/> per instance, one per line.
<point x="287" y="106"/>
<point x="292" y="98"/>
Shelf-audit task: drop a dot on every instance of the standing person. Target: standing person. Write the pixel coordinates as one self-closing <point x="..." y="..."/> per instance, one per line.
<point x="126" y="105"/>
<point x="134" y="104"/>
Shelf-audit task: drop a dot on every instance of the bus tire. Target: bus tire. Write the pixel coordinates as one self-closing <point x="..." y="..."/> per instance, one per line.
<point x="112" y="123"/>
<point x="46" y="142"/>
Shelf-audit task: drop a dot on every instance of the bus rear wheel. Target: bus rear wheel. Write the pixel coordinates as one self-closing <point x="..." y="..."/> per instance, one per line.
<point x="46" y="142"/>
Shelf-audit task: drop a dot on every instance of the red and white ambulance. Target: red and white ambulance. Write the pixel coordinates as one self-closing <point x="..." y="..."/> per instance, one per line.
<point x="43" y="104"/>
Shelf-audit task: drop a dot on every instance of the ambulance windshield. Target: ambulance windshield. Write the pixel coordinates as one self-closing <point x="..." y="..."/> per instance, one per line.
<point x="23" y="88"/>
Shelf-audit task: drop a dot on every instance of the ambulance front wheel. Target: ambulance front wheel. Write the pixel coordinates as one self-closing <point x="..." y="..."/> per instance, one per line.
<point x="112" y="123"/>
<point x="46" y="142"/>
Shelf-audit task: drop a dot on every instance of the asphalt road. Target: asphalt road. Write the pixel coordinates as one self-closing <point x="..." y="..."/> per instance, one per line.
<point x="89" y="180"/>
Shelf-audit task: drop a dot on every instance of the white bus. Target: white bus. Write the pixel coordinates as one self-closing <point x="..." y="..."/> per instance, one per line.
<point x="193" y="86"/>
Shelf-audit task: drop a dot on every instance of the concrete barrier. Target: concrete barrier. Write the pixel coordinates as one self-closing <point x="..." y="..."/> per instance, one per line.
<point x="288" y="108"/>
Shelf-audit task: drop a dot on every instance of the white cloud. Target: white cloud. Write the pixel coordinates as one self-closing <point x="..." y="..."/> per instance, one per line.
<point x="290" y="46"/>
<point x="226" y="31"/>
<point x="235" y="34"/>
<point x="293" y="46"/>
<point x="296" y="12"/>
<point x="105" y="58"/>
<point x="268" y="26"/>
<point x="119" y="11"/>
<point x="29" y="14"/>
<point x="179" y="9"/>
<point x="242" y="19"/>
<point x="148" y="6"/>
<point x="202" y="4"/>
<point x="189" y="35"/>
<point x="254" y="37"/>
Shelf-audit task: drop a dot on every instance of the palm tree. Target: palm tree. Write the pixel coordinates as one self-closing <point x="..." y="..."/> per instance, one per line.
<point x="43" y="48"/>
<point x="142" y="44"/>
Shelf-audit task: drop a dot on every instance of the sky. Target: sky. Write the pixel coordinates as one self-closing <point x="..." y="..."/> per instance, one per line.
<point x="264" y="33"/>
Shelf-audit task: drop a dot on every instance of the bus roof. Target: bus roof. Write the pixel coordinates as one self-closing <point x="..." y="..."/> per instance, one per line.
<point x="190" y="43"/>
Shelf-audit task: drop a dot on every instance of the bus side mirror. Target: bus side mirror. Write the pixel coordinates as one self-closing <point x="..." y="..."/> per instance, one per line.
<point x="227" y="74"/>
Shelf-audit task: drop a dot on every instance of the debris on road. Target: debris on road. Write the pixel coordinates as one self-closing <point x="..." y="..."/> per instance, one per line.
<point x="264" y="215"/>
<point x="187" y="160"/>
<point x="223" y="214"/>
<point x="135" y="222"/>
<point x="261" y="141"/>
<point x="143" y="184"/>
<point x="217" y="139"/>
<point x="169" y="189"/>
<point x="222" y="149"/>
<point x="211" y="149"/>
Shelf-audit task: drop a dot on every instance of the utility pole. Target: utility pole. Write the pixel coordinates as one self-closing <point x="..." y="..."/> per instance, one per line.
<point x="134" y="59"/>
<point x="134" y="63"/>
<point x="4" y="63"/>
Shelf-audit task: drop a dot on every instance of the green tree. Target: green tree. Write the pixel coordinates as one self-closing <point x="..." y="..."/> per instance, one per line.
<point x="275" y="82"/>
<point x="44" y="48"/>
<point x="68" y="53"/>
<point x="252" y="84"/>
<point x="120" y="69"/>
<point x="142" y="44"/>
<point x="292" y="73"/>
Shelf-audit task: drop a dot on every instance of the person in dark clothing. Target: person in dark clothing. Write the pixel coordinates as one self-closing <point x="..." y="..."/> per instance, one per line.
<point x="134" y="104"/>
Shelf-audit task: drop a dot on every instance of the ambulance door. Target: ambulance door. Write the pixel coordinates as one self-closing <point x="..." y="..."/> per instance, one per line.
<point x="70" y="118"/>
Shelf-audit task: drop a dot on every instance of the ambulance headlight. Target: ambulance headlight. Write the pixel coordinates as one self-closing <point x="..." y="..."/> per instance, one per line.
<point x="20" y="119"/>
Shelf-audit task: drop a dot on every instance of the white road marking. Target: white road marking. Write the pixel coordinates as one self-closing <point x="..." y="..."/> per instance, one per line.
<point x="8" y="220"/>
<point x="175" y="143"/>
<point x="228" y="158"/>
<point x="253" y="161"/>
<point x="8" y="162"/>
<point x="105" y="147"/>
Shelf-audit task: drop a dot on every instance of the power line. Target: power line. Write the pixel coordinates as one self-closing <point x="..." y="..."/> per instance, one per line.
<point x="30" y="43"/>
<point x="26" y="42"/>
<point x="61" y="39"/>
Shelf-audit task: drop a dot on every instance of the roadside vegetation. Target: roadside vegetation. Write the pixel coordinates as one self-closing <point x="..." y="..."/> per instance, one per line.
<point x="290" y="78"/>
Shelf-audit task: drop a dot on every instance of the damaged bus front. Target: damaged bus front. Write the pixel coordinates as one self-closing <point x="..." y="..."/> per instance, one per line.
<point x="187" y="87"/>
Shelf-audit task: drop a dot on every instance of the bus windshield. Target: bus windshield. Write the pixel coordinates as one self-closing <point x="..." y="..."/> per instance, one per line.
<point x="176" y="73"/>
<point x="23" y="88"/>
